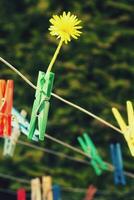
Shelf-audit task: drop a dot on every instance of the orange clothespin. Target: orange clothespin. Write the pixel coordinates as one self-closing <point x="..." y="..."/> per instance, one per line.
<point x="6" y="103"/>
<point x="127" y="129"/>
<point x="90" y="193"/>
<point x="35" y="189"/>
<point x="47" y="188"/>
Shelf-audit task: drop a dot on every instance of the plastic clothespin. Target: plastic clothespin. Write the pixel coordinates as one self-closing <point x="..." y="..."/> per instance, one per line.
<point x="41" y="104"/>
<point x="128" y="130"/>
<point x="6" y="102"/>
<point x="90" y="192"/>
<point x="21" y="194"/>
<point x="56" y="192"/>
<point x="116" y="156"/>
<point x="10" y="142"/>
<point x="35" y="189"/>
<point x="23" y="123"/>
<point x="89" y="148"/>
<point x="47" y="188"/>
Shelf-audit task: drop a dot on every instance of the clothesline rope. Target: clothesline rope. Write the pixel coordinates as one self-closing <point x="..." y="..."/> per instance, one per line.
<point x="64" y="188"/>
<point x="111" y="168"/>
<point x="10" y="177"/>
<point x="60" y="98"/>
<point x="59" y="154"/>
<point x="67" y="145"/>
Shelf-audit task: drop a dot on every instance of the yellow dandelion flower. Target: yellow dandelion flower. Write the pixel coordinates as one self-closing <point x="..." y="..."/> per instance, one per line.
<point x="65" y="26"/>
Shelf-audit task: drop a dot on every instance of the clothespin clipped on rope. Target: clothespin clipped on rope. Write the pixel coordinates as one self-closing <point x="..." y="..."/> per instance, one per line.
<point x="6" y="102"/>
<point x="117" y="161"/>
<point x="21" y="194"/>
<point x="47" y="188"/>
<point x="35" y="189"/>
<point x="89" y="148"/>
<point x="40" y="109"/>
<point x="128" y="130"/>
<point x="90" y="193"/>
<point x="23" y="123"/>
<point x="56" y="192"/>
<point x="10" y="142"/>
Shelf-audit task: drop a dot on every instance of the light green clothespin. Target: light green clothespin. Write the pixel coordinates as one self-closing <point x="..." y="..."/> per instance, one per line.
<point x="90" y="149"/>
<point x="10" y="142"/>
<point x="41" y="104"/>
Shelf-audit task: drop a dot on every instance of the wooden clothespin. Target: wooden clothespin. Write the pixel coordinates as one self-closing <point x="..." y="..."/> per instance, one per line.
<point x="6" y="102"/>
<point x="117" y="161"/>
<point x="90" y="193"/>
<point x="35" y="189"/>
<point x="21" y="194"/>
<point x="10" y="142"/>
<point x="56" y="192"/>
<point x="23" y="123"/>
<point x="41" y="104"/>
<point x="128" y="130"/>
<point x="47" y="188"/>
<point x="89" y="148"/>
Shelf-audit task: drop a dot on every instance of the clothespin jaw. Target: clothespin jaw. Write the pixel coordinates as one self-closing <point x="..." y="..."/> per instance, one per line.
<point x="35" y="189"/>
<point x="10" y="142"/>
<point x="2" y="102"/>
<point x="6" y="102"/>
<point x="117" y="161"/>
<point x="89" y="148"/>
<point x="56" y="192"/>
<point x="2" y="90"/>
<point x="47" y="188"/>
<point x="90" y="192"/>
<point x="127" y="130"/>
<point x="7" y="147"/>
<point x="41" y="104"/>
<point x="21" y="194"/>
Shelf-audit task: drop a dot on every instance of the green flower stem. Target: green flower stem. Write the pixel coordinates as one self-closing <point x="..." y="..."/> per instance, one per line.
<point x="54" y="57"/>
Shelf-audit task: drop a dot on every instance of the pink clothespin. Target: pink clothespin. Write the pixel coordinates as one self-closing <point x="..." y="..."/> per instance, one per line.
<point x="90" y="193"/>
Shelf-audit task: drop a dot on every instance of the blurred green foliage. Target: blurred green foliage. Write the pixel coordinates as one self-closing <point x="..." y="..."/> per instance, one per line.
<point x="96" y="72"/>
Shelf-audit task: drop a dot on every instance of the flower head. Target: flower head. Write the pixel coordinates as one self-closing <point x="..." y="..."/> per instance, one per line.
<point x="65" y="26"/>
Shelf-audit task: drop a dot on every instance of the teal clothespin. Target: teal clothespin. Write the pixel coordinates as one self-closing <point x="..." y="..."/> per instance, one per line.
<point x="41" y="104"/>
<point x="89" y="148"/>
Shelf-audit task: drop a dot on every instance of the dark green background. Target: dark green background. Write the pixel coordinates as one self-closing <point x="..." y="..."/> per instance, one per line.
<point x="96" y="72"/>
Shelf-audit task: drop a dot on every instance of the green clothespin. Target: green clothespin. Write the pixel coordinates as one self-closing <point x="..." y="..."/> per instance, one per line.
<point x="89" y="148"/>
<point x="41" y="104"/>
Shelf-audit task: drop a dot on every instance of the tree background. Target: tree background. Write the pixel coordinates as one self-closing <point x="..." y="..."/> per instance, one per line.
<point x="96" y="72"/>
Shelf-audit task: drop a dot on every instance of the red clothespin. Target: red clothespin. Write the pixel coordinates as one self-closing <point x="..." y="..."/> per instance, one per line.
<point x="90" y="193"/>
<point x="21" y="194"/>
<point x="6" y="103"/>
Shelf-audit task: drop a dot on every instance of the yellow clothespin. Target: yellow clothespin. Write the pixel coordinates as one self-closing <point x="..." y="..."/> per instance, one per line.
<point x="47" y="188"/>
<point x="35" y="189"/>
<point x="127" y="130"/>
